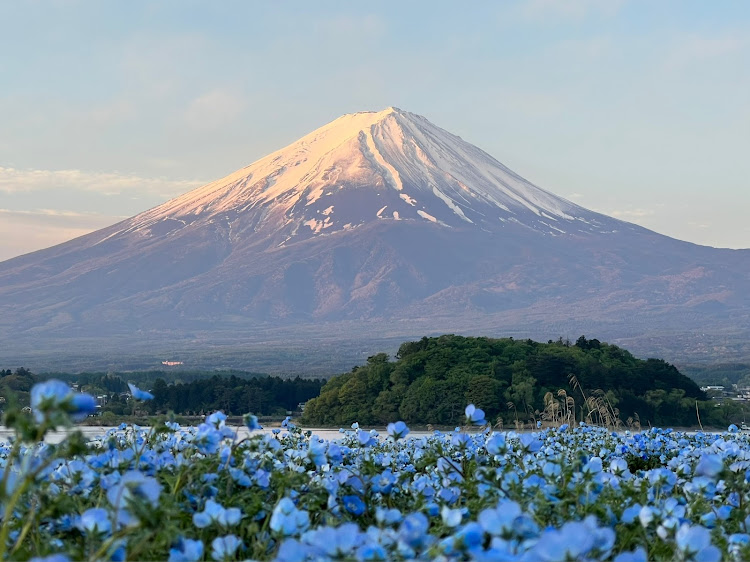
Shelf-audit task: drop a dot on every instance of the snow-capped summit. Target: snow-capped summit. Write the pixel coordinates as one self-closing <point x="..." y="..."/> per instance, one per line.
<point x="371" y="166"/>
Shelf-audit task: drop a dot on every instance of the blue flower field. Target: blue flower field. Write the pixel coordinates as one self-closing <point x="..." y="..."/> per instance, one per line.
<point x="202" y="493"/>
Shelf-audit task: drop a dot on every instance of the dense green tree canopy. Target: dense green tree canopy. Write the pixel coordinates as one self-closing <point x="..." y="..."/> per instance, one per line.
<point x="187" y="392"/>
<point x="233" y="395"/>
<point x="432" y="380"/>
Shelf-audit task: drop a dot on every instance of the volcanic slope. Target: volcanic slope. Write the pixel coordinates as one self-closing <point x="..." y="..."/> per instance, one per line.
<point x="378" y="221"/>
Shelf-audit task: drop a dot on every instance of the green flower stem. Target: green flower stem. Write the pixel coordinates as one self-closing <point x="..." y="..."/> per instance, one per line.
<point x="11" y="505"/>
<point x="122" y="533"/>
<point x="26" y="528"/>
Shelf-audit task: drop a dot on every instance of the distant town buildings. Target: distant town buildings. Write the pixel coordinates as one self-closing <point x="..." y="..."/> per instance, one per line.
<point x="719" y="392"/>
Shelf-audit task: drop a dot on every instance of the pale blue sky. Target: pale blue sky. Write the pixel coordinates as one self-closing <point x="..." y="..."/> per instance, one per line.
<point x="637" y="109"/>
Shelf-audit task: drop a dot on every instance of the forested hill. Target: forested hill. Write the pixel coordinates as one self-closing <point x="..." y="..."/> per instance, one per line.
<point x="432" y="380"/>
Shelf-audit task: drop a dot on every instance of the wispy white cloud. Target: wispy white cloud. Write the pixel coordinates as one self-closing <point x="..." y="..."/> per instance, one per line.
<point x="111" y="112"/>
<point x="13" y="180"/>
<point x="25" y="231"/>
<point x="688" y="50"/>
<point x="631" y="214"/>
<point x="529" y="103"/>
<point x="367" y="25"/>
<point x="61" y="213"/>
<point x="214" y="109"/>
<point x="568" y="9"/>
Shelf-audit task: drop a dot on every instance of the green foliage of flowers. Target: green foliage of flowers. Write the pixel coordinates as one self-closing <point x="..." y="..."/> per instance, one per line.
<point x="198" y="493"/>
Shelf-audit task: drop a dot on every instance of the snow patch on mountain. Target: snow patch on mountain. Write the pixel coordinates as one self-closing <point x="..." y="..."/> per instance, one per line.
<point x="427" y="216"/>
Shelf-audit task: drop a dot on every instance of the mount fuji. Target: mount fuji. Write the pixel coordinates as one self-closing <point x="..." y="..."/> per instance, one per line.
<point x="377" y="225"/>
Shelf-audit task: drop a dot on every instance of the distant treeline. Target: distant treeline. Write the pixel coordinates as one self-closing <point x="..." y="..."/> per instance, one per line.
<point x="233" y="395"/>
<point x="182" y="392"/>
<point x="432" y="380"/>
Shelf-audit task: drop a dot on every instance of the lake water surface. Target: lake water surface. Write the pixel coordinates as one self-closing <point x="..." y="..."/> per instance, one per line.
<point x="328" y="433"/>
<point x="92" y="432"/>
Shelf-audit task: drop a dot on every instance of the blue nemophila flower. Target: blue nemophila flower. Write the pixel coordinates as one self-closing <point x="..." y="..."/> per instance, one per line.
<point x="251" y="422"/>
<point x="48" y="396"/>
<point x="216" y="513"/>
<point x="724" y="512"/>
<point x="593" y="466"/>
<point x="291" y="550"/>
<point x="413" y="530"/>
<point x="51" y="558"/>
<point x="449" y="467"/>
<point x="618" y="466"/>
<point x="223" y="548"/>
<point x="81" y="406"/>
<point x="134" y="486"/>
<point x="695" y="542"/>
<point x="53" y="396"/>
<point x="117" y="552"/>
<point x="673" y="508"/>
<point x="474" y="415"/>
<point x="709" y="466"/>
<point x="500" y="521"/>
<point x="638" y="555"/>
<point x="708" y="520"/>
<point x="451" y="517"/>
<point x="240" y="476"/>
<point x="207" y="439"/>
<point x="354" y="505"/>
<point x="139" y="394"/>
<point x="262" y="478"/>
<point x="94" y="521"/>
<point x="383" y="482"/>
<point x="287" y="520"/>
<point x="217" y="419"/>
<point x="460" y="440"/>
<point x="736" y="543"/>
<point x="186" y="550"/>
<point x="530" y="443"/>
<point x="574" y="541"/>
<point x="551" y="469"/>
<point x="397" y="430"/>
<point x="366" y="439"/>
<point x="329" y="543"/>
<point x="368" y="552"/>
<point x="386" y="516"/>
<point x="317" y="451"/>
<point x="496" y="444"/>
<point x="630" y="513"/>
<point x="469" y="536"/>
<point x="209" y="477"/>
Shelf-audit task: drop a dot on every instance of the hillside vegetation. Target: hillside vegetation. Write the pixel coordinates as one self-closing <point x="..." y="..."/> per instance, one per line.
<point x="432" y="380"/>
